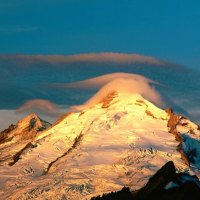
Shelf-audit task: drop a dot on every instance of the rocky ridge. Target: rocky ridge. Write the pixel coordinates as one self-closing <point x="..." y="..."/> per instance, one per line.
<point x="17" y="138"/>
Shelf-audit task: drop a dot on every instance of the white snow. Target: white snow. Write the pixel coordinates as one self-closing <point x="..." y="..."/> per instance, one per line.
<point x="105" y="149"/>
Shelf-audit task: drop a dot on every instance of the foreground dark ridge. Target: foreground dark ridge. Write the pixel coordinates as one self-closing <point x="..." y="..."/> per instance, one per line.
<point x="165" y="184"/>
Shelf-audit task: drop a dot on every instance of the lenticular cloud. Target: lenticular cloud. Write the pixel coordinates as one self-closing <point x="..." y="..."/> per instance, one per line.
<point x="119" y="82"/>
<point x="36" y="105"/>
<point x="104" y="57"/>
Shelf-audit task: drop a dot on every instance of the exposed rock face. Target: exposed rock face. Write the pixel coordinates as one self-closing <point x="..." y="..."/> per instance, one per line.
<point x="17" y="156"/>
<point x="108" y="99"/>
<point x="173" y="119"/>
<point x="173" y="122"/>
<point x="165" y="184"/>
<point x="4" y="134"/>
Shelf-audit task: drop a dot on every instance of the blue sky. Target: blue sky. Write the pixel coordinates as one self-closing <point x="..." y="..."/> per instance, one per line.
<point x="166" y="29"/>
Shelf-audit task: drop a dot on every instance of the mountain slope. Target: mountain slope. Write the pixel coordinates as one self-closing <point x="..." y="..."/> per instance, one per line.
<point x="121" y="141"/>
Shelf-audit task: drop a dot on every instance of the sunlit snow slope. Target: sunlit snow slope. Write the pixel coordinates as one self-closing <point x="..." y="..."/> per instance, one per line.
<point x="121" y="141"/>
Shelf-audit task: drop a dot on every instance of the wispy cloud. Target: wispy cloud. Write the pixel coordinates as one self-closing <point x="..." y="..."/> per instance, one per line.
<point x="40" y="106"/>
<point x="89" y="58"/>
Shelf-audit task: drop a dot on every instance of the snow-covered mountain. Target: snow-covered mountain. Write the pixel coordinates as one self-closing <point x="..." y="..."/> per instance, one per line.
<point x="120" y="141"/>
<point x="18" y="137"/>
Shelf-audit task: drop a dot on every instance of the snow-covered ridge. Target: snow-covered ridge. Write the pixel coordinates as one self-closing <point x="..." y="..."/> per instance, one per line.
<point x="121" y="141"/>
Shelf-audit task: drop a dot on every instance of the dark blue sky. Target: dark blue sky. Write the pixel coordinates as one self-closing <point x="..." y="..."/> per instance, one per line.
<point x="167" y="29"/>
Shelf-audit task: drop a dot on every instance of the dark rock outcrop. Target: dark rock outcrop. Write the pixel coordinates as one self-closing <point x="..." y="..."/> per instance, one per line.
<point x="124" y="194"/>
<point x="108" y="99"/>
<point x="4" y="134"/>
<point x="166" y="184"/>
<point x="17" y="156"/>
<point x="157" y="182"/>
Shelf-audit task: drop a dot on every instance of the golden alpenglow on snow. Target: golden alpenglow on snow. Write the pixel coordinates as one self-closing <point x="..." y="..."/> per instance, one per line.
<point x="99" y="100"/>
<point x="122" y="140"/>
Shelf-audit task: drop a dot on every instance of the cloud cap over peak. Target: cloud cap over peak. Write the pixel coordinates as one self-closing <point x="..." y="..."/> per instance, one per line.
<point x="117" y="82"/>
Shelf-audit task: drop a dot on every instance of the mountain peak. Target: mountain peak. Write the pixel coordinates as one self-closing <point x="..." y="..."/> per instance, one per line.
<point x="120" y="134"/>
<point x="32" y="122"/>
<point x="17" y="137"/>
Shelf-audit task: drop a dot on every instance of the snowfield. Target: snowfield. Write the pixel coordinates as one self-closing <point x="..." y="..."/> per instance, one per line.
<point x="121" y="141"/>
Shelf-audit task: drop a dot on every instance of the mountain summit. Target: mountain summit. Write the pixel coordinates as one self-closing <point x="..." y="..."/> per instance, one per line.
<point x="15" y="137"/>
<point x="120" y="141"/>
